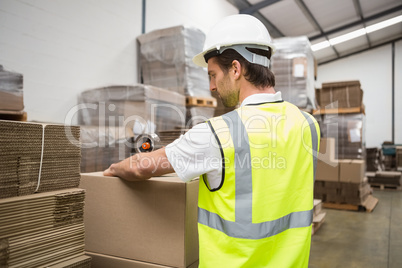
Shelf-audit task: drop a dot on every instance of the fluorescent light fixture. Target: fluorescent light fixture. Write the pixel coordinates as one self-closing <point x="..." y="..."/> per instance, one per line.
<point x="347" y="37"/>
<point x="383" y="24"/>
<point x="357" y="33"/>
<point x="320" y="45"/>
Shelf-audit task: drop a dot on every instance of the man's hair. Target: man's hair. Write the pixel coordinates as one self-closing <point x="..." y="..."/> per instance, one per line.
<point x="256" y="74"/>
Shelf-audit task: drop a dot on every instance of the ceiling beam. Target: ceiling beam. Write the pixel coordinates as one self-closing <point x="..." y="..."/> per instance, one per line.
<point x="306" y="11"/>
<point x="360" y="51"/>
<point x="359" y="22"/>
<point x="253" y="8"/>
<point x="359" y="12"/>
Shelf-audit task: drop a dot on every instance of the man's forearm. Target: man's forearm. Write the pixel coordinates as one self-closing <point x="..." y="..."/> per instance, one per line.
<point x="141" y="166"/>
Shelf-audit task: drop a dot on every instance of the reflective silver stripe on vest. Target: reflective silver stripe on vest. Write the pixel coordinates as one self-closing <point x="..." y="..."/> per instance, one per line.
<point x="243" y="226"/>
<point x="314" y="139"/>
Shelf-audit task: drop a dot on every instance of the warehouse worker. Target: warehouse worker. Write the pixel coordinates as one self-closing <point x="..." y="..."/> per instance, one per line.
<point x="256" y="164"/>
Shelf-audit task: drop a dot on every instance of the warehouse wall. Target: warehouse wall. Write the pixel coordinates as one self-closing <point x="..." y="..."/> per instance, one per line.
<point x="63" y="47"/>
<point x="374" y="70"/>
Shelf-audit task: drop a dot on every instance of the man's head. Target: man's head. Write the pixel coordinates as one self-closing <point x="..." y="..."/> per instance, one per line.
<point x="239" y="47"/>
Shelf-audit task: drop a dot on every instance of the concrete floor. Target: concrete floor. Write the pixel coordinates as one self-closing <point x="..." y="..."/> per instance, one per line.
<point x="359" y="239"/>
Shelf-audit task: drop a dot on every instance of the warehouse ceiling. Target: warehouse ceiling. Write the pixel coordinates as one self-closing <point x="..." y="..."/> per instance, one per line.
<point x="322" y="20"/>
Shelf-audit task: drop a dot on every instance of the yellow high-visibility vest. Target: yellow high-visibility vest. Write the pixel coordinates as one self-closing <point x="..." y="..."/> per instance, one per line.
<point x="261" y="214"/>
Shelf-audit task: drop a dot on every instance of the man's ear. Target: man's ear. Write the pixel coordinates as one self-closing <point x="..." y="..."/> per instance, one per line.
<point x="236" y="69"/>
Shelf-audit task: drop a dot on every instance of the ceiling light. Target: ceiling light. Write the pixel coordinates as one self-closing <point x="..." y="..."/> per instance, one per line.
<point x="357" y="33"/>
<point x="383" y="24"/>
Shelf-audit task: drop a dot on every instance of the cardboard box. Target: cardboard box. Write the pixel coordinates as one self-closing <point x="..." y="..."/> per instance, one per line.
<point x="149" y="221"/>
<point x="327" y="171"/>
<point x="327" y="149"/>
<point x="107" y="261"/>
<point x="352" y="170"/>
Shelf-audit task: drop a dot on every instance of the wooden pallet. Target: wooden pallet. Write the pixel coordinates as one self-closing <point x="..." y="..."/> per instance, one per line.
<point x="318" y="220"/>
<point x="386" y="186"/>
<point x="352" y="110"/>
<point x="368" y="205"/>
<point x="13" y="115"/>
<point x="201" y="101"/>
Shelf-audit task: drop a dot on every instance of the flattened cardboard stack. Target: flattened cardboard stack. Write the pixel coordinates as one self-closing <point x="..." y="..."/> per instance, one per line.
<point x="318" y="216"/>
<point x="293" y="66"/>
<point x="20" y="155"/>
<point x="11" y="91"/>
<point x="166" y="60"/>
<point x="43" y="230"/>
<point x="348" y="130"/>
<point x="138" y="107"/>
<point x="341" y="181"/>
<point x="103" y="146"/>
<point x="344" y="94"/>
<point x="341" y="116"/>
<point x="385" y="179"/>
<point x="149" y="223"/>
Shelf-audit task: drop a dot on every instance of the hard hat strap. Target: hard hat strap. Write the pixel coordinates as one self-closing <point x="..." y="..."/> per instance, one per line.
<point x="242" y="50"/>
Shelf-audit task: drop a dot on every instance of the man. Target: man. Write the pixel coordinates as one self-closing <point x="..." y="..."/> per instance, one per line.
<point x="256" y="164"/>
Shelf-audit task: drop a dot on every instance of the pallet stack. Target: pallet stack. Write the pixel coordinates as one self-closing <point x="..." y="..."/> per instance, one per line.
<point x="11" y="96"/>
<point x="385" y="180"/>
<point x="41" y="208"/>
<point x="341" y="183"/>
<point x="294" y="67"/>
<point x="318" y="216"/>
<point x="166" y="62"/>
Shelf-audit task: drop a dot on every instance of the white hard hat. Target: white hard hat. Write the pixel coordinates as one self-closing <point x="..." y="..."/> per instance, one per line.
<point x="238" y="32"/>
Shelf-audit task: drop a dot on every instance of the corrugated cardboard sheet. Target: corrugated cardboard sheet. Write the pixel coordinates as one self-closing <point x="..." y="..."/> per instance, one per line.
<point x="20" y="157"/>
<point x="42" y="230"/>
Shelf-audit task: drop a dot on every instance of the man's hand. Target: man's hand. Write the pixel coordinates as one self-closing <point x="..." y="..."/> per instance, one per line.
<point x="141" y="166"/>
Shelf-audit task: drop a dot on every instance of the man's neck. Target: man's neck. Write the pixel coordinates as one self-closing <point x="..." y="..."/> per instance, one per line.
<point x="251" y="90"/>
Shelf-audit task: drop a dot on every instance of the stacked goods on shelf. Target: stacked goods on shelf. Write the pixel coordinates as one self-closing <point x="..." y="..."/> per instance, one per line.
<point x="103" y="146"/>
<point x="150" y="223"/>
<point x="318" y="216"/>
<point x="38" y="157"/>
<point x="348" y="130"/>
<point x="294" y="67"/>
<point x="346" y="95"/>
<point x="43" y="230"/>
<point x="398" y="153"/>
<point x="385" y="179"/>
<point x="166" y="62"/>
<point x="342" y="117"/>
<point x="143" y="108"/>
<point x="11" y="95"/>
<point x="41" y="223"/>
<point x="373" y="156"/>
<point x="341" y="182"/>
<point x="389" y="156"/>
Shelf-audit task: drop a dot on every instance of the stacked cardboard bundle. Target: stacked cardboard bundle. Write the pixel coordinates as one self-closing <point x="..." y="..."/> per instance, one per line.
<point x="11" y="91"/>
<point x="348" y="130"/>
<point x="38" y="158"/>
<point x="341" y="181"/>
<point x="294" y="68"/>
<point x="318" y="216"/>
<point x="149" y="223"/>
<point x="373" y="159"/>
<point x="103" y="146"/>
<point x="143" y="108"/>
<point x="344" y="94"/>
<point x="43" y="230"/>
<point x="385" y="179"/>
<point x="166" y="60"/>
